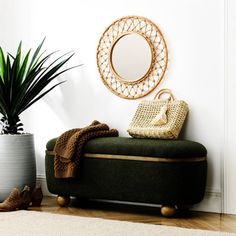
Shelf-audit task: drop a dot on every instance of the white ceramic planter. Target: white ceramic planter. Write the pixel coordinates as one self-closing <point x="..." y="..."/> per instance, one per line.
<point x="17" y="163"/>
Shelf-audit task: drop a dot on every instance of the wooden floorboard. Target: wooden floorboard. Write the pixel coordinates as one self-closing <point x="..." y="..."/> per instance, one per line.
<point x="151" y="215"/>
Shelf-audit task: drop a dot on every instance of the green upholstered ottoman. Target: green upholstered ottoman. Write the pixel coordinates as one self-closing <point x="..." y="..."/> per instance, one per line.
<point x="166" y="172"/>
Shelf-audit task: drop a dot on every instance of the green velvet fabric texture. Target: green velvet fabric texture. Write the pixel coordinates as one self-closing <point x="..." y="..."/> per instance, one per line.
<point x="174" y="183"/>
<point x="135" y="181"/>
<point x="142" y="147"/>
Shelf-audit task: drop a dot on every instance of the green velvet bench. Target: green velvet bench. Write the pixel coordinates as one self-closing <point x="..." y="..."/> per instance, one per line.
<point x="171" y="173"/>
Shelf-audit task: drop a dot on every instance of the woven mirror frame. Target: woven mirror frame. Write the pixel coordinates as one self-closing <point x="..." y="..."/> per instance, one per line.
<point x="139" y="87"/>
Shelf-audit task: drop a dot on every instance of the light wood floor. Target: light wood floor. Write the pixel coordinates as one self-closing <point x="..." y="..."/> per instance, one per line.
<point x="151" y="215"/>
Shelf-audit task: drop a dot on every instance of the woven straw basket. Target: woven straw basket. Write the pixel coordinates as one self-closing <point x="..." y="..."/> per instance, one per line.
<point x="142" y="125"/>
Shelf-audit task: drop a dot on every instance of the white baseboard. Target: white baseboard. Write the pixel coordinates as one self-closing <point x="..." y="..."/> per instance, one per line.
<point x="41" y="180"/>
<point x="210" y="203"/>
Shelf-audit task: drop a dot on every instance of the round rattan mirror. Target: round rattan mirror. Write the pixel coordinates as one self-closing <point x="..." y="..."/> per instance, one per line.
<point x="135" y="46"/>
<point x="132" y="57"/>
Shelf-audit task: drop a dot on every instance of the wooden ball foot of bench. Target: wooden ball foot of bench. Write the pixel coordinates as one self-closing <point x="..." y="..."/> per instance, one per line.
<point x="168" y="211"/>
<point x="63" y="201"/>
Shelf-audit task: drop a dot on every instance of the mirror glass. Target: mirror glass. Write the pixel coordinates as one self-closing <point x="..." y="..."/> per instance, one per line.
<point x="131" y="57"/>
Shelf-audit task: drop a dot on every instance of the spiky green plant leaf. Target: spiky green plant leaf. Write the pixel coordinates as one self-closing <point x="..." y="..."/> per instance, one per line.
<point x="2" y="63"/>
<point x="25" y="80"/>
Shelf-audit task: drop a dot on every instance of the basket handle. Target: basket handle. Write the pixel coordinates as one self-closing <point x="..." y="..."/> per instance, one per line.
<point x="162" y="91"/>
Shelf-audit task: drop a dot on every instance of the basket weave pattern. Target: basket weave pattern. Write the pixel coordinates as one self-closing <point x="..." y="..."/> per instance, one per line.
<point x="141" y="127"/>
<point x="139" y="87"/>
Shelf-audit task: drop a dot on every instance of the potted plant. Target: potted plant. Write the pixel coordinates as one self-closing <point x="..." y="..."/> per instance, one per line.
<point x="23" y="81"/>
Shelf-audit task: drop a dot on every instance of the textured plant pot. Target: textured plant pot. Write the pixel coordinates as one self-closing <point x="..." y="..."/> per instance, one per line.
<point x="17" y="163"/>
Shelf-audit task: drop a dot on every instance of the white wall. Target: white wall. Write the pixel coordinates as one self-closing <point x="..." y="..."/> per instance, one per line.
<point x="194" y="32"/>
<point x="230" y="108"/>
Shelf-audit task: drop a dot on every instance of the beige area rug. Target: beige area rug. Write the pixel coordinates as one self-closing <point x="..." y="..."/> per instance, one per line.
<point x="31" y="223"/>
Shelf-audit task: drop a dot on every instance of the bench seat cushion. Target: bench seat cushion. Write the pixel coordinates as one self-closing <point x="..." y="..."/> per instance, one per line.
<point x="142" y="147"/>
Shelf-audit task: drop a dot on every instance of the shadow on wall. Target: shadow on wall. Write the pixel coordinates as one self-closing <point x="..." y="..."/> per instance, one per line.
<point x="75" y="101"/>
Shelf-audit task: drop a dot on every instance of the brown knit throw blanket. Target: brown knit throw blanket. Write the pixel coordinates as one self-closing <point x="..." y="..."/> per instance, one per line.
<point x="69" y="147"/>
